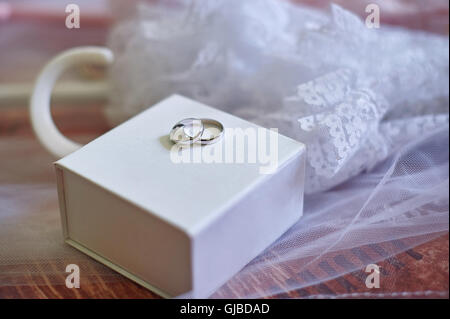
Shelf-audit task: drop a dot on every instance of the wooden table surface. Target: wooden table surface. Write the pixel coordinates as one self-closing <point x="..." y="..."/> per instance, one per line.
<point x="421" y="272"/>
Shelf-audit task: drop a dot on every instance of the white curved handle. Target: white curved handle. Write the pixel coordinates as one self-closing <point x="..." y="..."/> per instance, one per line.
<point x="41" y="119"/>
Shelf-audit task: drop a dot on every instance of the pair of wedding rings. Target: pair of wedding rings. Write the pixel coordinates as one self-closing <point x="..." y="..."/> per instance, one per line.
<point x="200" y="131"/>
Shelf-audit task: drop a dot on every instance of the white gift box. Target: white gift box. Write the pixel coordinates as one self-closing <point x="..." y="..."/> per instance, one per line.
<point x="178" y="227"/>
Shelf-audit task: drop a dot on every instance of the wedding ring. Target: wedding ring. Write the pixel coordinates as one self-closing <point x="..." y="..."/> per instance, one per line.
<point x="192" y="130"/>
<point x="212" y="133"/>
<point x="187" y="131"/>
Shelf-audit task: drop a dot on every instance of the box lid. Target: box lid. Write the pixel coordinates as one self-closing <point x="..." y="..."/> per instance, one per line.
<point x="133" y="161"/>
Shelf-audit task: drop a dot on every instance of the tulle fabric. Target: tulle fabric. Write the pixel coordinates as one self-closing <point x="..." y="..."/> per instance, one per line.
<point x="403" y="201"/>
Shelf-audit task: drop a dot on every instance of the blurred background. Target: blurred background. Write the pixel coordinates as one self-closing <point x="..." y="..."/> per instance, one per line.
<point x="33" y="31"/>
